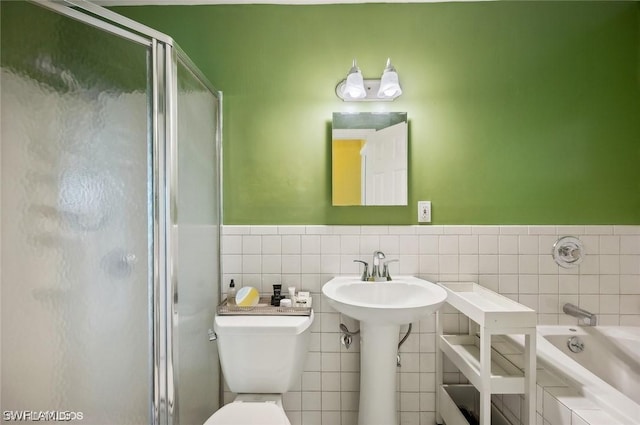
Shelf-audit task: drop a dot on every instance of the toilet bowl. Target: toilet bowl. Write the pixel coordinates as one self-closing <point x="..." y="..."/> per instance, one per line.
<point x="261" y="357"/>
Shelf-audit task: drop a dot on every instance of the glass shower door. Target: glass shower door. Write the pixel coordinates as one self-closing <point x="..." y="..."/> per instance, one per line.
<point x="196" y="228"/>
<point x="76" y="253"/>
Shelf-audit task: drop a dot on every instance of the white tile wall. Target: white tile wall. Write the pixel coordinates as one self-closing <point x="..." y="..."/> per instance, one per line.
<point x="513" y="260"/>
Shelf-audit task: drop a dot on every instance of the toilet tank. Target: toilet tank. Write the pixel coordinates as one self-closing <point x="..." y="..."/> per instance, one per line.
<point x="262" y="354"/>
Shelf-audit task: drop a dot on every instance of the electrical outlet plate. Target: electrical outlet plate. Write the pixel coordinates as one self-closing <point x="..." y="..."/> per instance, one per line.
<point x="424" y="211"/>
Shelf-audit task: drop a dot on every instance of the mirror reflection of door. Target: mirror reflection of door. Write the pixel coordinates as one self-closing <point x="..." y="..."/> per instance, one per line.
<point x="369" y="159"/>
<point x="384" y="159"/>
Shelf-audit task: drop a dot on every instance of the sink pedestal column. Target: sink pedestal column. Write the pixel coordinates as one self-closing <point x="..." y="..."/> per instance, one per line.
<point x="378" y="356"/>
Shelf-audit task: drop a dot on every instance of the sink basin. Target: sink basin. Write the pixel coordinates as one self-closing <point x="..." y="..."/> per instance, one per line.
<point x="381" y="308"/>
<point x="400" y="301"/>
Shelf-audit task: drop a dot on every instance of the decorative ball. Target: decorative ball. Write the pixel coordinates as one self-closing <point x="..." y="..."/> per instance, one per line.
<point x="247" y="296"/>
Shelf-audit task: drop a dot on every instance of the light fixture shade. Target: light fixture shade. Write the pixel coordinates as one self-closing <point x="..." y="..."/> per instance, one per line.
<point x="389" y="83"/>
<point x="354" y="84"/>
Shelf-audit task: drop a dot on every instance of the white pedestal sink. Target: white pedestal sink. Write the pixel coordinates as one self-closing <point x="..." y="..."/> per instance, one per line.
<point x="381" y="308"/>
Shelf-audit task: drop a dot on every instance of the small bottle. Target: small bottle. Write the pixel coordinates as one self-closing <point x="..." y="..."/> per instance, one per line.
<point x="277" y="294"/>
<point x="292" y="293"/>
<point x="231" y="295"/>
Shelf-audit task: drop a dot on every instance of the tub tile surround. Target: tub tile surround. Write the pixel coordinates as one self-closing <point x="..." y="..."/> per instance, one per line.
<point x="556" y="402"/>
<point x="512" y="260"/>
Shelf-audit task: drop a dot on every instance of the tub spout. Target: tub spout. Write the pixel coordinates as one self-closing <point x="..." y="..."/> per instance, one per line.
<point x="586" y="317"/>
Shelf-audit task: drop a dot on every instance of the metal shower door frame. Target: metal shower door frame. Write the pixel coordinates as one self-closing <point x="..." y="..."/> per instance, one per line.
<point x="163" y="287"/>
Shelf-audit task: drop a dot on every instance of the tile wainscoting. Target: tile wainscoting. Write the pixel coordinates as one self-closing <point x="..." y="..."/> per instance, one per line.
<point x="512" y="260"/>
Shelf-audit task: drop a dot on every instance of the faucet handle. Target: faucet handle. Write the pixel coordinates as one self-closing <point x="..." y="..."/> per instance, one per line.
<point x="385" y="269"/>
<point x="365" y="273"/>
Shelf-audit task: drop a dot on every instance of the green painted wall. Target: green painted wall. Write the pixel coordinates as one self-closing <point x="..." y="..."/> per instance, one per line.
<point x="519" y="112"/>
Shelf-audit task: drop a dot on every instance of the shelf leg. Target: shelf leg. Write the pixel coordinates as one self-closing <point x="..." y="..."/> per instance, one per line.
<point x="530" y="376"/>
<point x="439" y="365"/>
<point x="485" y="376"/>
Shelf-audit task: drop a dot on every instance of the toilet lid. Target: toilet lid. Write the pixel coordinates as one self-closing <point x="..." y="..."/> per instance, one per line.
<point x="249" y="414"/>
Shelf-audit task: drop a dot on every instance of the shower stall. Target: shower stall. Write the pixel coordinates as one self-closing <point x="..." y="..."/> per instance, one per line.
<point x="110" y="220"/>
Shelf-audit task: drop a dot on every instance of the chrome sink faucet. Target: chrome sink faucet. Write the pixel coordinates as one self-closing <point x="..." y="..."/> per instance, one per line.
<point x="376" y="274"/>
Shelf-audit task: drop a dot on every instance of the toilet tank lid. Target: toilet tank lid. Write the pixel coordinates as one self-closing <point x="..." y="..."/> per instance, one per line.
<point x="249" y="414"/>
<point x="276" y="325"/>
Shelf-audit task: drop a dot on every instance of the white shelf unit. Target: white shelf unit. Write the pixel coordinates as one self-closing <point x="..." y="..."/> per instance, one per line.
<point x="492" y="314"/>
<point x="453" y="398"/>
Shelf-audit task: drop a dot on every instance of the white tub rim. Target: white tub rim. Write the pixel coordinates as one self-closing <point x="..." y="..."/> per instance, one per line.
<point x="606" y="397"/>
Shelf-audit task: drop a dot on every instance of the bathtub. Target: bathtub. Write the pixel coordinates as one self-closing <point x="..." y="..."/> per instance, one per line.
<point x="607" y="371"/>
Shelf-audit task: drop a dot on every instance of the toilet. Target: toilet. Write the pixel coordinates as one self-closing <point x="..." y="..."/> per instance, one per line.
<point x="262" y="357"/>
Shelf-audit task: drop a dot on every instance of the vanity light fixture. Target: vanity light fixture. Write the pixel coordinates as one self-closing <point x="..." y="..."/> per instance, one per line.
<point x="357" y="89"/>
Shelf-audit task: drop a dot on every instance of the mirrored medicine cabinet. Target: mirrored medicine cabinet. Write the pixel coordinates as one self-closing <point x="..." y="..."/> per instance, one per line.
<point x="369" y="158"/>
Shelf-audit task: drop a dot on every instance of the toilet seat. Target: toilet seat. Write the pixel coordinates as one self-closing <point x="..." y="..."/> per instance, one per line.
<point x="240" y="413"/>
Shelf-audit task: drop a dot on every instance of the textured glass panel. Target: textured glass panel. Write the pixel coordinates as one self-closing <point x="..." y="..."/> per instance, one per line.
<point x="198" y="234"/>
<point x="75" y="218"/>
